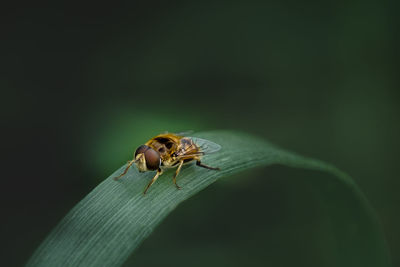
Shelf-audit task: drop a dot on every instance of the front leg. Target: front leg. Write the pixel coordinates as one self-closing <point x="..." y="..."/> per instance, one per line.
<point x="176" y="174"/>
<point x="126" y="170"/>
<point x="159" y="172"/>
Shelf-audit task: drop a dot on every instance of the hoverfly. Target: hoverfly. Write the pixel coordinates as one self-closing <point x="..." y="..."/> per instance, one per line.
<point x="170" y="150"/>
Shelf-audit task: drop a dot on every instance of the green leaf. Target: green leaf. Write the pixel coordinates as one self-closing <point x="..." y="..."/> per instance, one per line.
<point x="112" y="220"/>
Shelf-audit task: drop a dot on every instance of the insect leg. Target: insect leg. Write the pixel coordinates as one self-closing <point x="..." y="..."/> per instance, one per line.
<point x="125" y="171"/>
<point x="198" y="163"/>
<point x="176" y="174"/>
<point x="159" y="172"/>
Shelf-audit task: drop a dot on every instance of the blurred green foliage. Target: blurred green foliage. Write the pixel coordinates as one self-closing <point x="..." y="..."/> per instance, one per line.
<point x="319" y="78"/>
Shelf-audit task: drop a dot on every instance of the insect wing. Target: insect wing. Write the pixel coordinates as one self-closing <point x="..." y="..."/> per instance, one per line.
<point x="206" y="147"/>
<point x="184" y="133"/>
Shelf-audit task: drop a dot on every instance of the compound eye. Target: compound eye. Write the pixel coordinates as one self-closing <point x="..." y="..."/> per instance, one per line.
<point x="141" y="150"/>
<point x="152" y="159"/>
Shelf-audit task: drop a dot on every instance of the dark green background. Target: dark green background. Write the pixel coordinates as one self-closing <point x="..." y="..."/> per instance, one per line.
<point x="83" y="84"/>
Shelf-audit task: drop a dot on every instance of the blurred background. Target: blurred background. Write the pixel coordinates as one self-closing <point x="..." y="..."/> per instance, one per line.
<point x="83" y="84"/>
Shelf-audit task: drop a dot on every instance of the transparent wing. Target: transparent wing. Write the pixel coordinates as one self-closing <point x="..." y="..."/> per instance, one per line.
<point x="206" y="147"/>
<point x="184" y="133"/>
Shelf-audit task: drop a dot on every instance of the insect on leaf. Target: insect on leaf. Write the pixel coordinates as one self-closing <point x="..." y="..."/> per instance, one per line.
<point x="111" y="221"/>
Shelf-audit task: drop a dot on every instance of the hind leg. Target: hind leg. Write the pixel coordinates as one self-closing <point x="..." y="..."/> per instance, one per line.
<point x="198" y="163"/>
